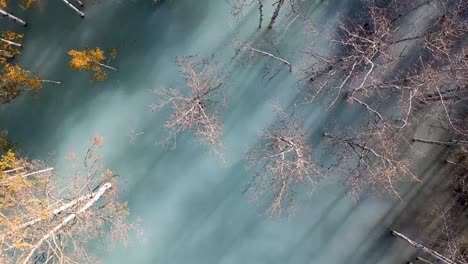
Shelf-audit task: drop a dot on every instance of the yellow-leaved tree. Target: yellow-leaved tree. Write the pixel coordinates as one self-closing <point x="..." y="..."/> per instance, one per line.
<point x="26" y="4"/>
<point x="92" y="60"/>
<point x="49" y="219"/>
<point x="14" y="80"/>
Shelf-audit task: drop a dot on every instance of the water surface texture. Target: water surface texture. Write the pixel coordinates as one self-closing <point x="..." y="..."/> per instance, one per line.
<point x="194" y="209"/>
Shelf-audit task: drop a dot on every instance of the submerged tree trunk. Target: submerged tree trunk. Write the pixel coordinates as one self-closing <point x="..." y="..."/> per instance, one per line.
<point x="429" y="251"/>
<point x="442" y="143"/>
<point x="12" y="17"/>
<point x="11" y="42"/>
<point x="276" y="13"/>
<point x="74" y="8"/>
<point x="260" y="9"/>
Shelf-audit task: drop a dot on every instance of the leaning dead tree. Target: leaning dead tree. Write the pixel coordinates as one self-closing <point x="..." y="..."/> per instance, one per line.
<point x="281" y="160"/>
<point x="433" y="253"/>
<point x="446" y="242"/>
<point x="196" y="108"/>
<point x="45" y="219"/>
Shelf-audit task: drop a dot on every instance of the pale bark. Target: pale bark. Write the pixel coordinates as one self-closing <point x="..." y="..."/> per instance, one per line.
<point x="264" y="53"/>
<point x="58" y="210"/>
<point x="49" y="81"/>
<point x="12" y="170"/>
<point x="105" y="66"/>
<point x="429" y="251"/>
<point x="12" y="17"/>
<point x="79" y="2"/>
<point x="29" y="174"/>
<point x="67" y="219"/>
<point x="11" y="42"/>
<point x="276" y="13"/>
<point x="74" y="8"/>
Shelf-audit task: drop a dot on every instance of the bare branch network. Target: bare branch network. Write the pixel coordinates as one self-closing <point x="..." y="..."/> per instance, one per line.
<point x="282" y="159"/>
<point x="196" y="108"/>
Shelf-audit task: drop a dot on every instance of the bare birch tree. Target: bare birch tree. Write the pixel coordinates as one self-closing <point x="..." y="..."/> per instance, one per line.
<point x="196" y="108"/>
<point x="281" y="160"/>
<point x="48" y="220"/>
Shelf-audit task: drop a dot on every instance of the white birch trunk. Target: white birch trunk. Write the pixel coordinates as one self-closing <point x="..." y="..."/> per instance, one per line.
<point x="67" y="219"/>
<point x="264" y="53"/>
<point x="49" y="81"/>
<point x="12" y="17"/>
<point x="106" y="66"/>
<point x="74" y="8"/>
<point x="429" y="251"/>
<point x="11" y="42"/>
<point x="58" y="210"/>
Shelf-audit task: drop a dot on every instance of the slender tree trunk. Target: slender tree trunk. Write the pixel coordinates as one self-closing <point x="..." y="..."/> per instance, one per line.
<point x="74" y="8"/>
<point x="429" y="251"/>
<point x="260" y="9"/>
<point x="67" y="219"/>
<point x="37" y="172"/>
<point x="106" y="66"/>
<point x="12" y="170"/>
<point x="79" y="2"/>
<point x="6" y="54"/>
<point x="276" y="13"/>
<point x="11" y="42"/>
<point x="442" y="143"/>
<point x="12" y="17"/>
<point x="264" y="53"/>
<point x="49" y="81"/>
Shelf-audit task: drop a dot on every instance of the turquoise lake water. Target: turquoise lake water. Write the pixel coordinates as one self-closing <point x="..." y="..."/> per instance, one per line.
<point x="194" y="209"/>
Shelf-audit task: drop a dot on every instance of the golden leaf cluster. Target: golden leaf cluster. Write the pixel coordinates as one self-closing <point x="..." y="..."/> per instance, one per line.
<point x="90" y="60"/>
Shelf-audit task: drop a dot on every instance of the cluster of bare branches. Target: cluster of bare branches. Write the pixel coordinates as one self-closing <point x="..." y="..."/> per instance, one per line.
<point x="371" y="158"/>
<point x="48" y="220"/>
<point x="363" y="45"/>
<point x="196" y="108"/>
<point x="283" y="158"/>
